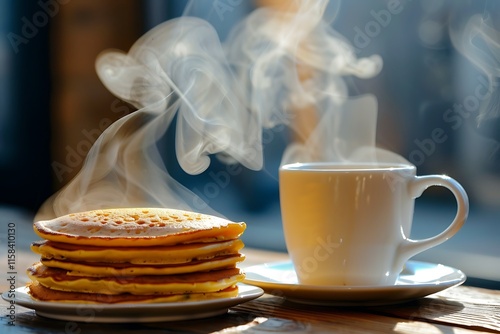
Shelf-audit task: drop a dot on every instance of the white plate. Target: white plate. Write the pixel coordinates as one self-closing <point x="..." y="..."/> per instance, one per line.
<point x="120" y="313"/>
<point x="417" y="280"/>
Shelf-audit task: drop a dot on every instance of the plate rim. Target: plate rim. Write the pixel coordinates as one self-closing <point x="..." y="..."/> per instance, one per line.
<point x="178" y="310"/>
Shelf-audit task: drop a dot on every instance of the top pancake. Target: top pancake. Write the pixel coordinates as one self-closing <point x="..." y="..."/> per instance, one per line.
<point x="127" y="227"/>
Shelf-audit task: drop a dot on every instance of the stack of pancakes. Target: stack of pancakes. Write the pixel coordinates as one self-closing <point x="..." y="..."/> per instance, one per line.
<point x="136" y="255"/>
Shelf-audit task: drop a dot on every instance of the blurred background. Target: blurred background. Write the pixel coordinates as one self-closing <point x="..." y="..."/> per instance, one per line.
<point x="53" y="107"/>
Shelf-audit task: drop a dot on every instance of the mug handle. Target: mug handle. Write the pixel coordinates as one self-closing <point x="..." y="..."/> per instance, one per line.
<point x="416" y="187"/>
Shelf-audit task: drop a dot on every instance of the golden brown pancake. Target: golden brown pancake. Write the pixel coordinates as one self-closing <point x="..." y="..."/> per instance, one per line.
<point x="138" y="255"/>
<point x="39" y="292"/>
<point x="100" y="269"/>
<point x="199" y="282"/>
<point x="132" y="227"/>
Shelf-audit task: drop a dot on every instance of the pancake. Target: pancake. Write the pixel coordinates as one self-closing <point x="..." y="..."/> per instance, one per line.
<point x="199" y="282"/>
<point x="137" y="255"/>
<point x="41" y="293"/>
<point x="100" y="269"/>
<point x="134" y="227"/>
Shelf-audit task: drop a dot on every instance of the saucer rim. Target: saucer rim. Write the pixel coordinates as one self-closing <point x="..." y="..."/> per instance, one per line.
<point x="355" y="295"/>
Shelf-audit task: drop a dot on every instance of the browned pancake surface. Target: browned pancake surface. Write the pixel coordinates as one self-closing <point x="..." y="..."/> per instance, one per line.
<point x="175" y="254"/>
<point x="128" y="227"/>
<point x="39" y="292"/>
<point x="102" y="269"/>
<point x="198" y="282"/>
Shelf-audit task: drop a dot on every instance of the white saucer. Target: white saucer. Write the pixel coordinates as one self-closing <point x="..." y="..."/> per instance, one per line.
<point x="119" y="313"/>
<point x="417" y="280"/>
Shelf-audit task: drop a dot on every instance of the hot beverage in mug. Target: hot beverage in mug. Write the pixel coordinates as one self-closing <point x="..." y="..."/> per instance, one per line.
<point x="349" y="225"/>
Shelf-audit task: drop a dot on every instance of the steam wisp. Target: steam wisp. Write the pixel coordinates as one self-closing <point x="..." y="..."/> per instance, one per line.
<point x="223" y="96"/>
<point x="479" y="42"/>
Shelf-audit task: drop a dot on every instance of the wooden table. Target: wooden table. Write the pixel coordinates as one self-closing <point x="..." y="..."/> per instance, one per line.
<point x="456" y="310"/>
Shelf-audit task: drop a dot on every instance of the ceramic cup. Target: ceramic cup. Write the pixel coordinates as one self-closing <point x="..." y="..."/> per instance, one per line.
<point x="349" y="225"/>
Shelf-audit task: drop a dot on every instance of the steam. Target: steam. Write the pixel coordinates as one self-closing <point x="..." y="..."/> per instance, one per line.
<point x="293" y="60"/>
<point x="479" y="42"/>
<point x="274" y="64"/>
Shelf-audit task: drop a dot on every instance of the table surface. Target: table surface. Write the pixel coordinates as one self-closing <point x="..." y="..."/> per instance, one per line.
<point x="460" y="309"/>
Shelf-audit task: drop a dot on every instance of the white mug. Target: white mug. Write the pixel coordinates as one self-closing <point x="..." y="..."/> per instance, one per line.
<point x="349" y="225"/>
